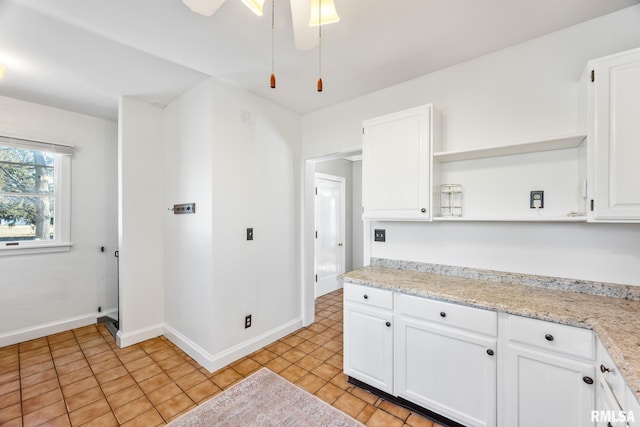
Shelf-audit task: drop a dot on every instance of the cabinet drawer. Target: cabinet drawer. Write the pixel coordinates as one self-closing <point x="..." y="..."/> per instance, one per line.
<point x="455" y="315"/>
<point x="552" y="336"/>
<point x="369" y="296"/>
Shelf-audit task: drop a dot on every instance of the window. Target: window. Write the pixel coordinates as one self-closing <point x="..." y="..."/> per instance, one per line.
<point x="34" y="196"/>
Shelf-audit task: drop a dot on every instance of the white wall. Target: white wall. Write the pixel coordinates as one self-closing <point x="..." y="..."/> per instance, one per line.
<point x="526" y="92"/>
<point x="141" y="213"/>
<point x="256" y="183"/>
<point x="189" y="238"/>
<point x="237" y="157"/>
<point x="356" y="218"/>
<point x="47" y="293"/>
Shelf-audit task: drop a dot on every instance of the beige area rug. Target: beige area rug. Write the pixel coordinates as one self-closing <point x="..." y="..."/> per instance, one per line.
<point x="265" y="399"/>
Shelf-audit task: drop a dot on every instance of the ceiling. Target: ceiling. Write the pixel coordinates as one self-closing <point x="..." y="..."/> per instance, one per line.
<point x="81" y="55"/>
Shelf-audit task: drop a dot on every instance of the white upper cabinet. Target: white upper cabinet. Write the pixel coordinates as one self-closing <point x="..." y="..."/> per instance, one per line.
<point x="396" y="157"/>
<point x="614" y="137"/>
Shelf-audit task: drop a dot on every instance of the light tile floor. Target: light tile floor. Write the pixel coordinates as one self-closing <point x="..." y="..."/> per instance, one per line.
<point x="81" y="377"/>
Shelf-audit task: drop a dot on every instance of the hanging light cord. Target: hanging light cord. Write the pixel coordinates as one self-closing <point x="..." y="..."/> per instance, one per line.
<point x="273" y="45"/>
<point x="320" y="46"/>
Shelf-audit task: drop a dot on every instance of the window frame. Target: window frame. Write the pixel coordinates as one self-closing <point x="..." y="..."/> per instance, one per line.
<point x="62" y="194"/>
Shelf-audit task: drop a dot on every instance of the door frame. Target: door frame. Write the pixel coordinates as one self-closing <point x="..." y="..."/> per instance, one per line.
<point x="343" y="218"/>
<point x="307" y="232"/>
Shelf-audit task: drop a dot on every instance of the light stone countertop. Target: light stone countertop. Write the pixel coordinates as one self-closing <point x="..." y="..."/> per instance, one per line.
<point x="616" y="321"/>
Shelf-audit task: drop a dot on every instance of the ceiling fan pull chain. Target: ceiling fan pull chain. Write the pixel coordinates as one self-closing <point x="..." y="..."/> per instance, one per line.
<point x="320" y="46"/>
<point x="273" y="44"/>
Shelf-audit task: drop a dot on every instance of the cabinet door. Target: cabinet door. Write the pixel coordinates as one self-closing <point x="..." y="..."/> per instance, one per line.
<point x="450" y="372"/>
<point x="608" y="411"/>
<point x="368" y="346"/>
<point x="614" y="138"/>
<point x="395" y="165"/>
<point x="543" y="389"/>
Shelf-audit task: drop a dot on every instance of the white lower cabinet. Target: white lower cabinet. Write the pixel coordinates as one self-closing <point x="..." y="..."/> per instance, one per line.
<point x="616" y="404"/>
<point x="549" y="374"/>
<point x="446" y="369"/>
<point x="608" y="410"/>
<point x="480" y="368"/>
<point x="368" y="336"/>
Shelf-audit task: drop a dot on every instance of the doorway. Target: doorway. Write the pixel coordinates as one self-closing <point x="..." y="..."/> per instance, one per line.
<point x="347" y="165"/>
<point x="330" y="225"/>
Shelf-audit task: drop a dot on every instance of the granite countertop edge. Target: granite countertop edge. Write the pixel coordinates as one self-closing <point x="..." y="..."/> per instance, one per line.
<point x="630" y="373"/>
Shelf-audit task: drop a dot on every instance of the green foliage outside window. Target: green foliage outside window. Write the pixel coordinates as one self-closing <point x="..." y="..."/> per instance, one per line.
<point x="26" y="194"/>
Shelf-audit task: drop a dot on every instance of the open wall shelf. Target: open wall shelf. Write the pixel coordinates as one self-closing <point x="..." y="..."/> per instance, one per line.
<point x="571" y="141"/>
<point x="497" y="181"/>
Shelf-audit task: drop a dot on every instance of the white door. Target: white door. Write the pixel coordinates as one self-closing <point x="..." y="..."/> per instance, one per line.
<point x="448" y="371"/>
<point x="330" y="232"/>
<point x="368" y="346"/>
<point x="395" y="165"/>
<point x="544" y="389"/>
<point x="614" y="138"/>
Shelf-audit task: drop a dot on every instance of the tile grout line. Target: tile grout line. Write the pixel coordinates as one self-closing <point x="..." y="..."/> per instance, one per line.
<point x="312" y="373"/>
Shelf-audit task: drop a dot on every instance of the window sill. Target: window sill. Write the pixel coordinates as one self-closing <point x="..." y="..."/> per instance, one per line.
<point x="40" y="248"/>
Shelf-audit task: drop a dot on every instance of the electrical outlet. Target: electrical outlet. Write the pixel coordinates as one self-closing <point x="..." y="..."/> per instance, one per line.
<point x="247" y="321"/>
<point x="536" y="199"/>
<point x="249" y="233"/>
<point x="379" y="235"/>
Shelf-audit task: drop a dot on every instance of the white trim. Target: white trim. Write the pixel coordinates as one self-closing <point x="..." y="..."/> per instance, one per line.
<point x="139" y="335"/>
<point x="328" y="177"/>
<point x="62" y="215"/>
<point x="24" y="248"/>
<point x="197" y="353"/>
<point x="30" y="144"/>
<point x="213" y="362"/>
<point x="110" y="312"/>
<point x="44" y="329"/>
<point x="330" y="155"/>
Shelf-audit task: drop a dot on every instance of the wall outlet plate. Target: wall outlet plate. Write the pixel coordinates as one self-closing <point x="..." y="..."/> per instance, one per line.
<point x="536" y="199"/>
<point x="247" y="321"/>
<point x="249" y="233"/>
<point x="379" y="235"/>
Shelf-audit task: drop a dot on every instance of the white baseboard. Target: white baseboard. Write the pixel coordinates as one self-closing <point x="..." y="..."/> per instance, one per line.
<point x="139" y="335"/>
<point x="42" y="330"/>
<point x="213" y="362"/>
<point x="196" y="352"/>
<point x="111" y="312"/>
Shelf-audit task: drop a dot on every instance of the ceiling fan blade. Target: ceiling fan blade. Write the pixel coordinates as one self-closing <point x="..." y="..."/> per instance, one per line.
<point x="204" y="7"/>
<point x="305" y="37"/>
